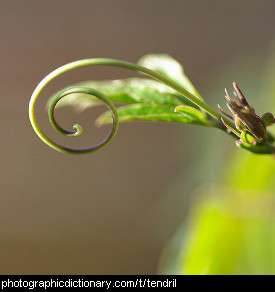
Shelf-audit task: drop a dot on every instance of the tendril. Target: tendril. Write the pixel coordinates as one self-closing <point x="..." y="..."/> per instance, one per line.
<point x="77" y="128"/>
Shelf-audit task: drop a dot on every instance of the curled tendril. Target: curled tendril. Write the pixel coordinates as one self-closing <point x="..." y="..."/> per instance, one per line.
<point x="77" y="128"/>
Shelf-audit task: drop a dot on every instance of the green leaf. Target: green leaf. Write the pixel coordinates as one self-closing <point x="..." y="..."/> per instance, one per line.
<point x="170" y="68"/>
<point x="190" y="112"/>
<point x="142" y="112"/>
<point x="268" y="119"/>
<point x="129" y="91"/>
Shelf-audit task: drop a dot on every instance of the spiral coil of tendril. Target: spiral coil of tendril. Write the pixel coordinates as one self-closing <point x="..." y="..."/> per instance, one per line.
<point x="77" y="128"/>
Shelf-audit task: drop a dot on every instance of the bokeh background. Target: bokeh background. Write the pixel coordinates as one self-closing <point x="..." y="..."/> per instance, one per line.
<point x="114" y="211"/>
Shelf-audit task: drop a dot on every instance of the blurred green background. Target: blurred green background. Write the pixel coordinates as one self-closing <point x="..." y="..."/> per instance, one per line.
<point x="115" y="211"/>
